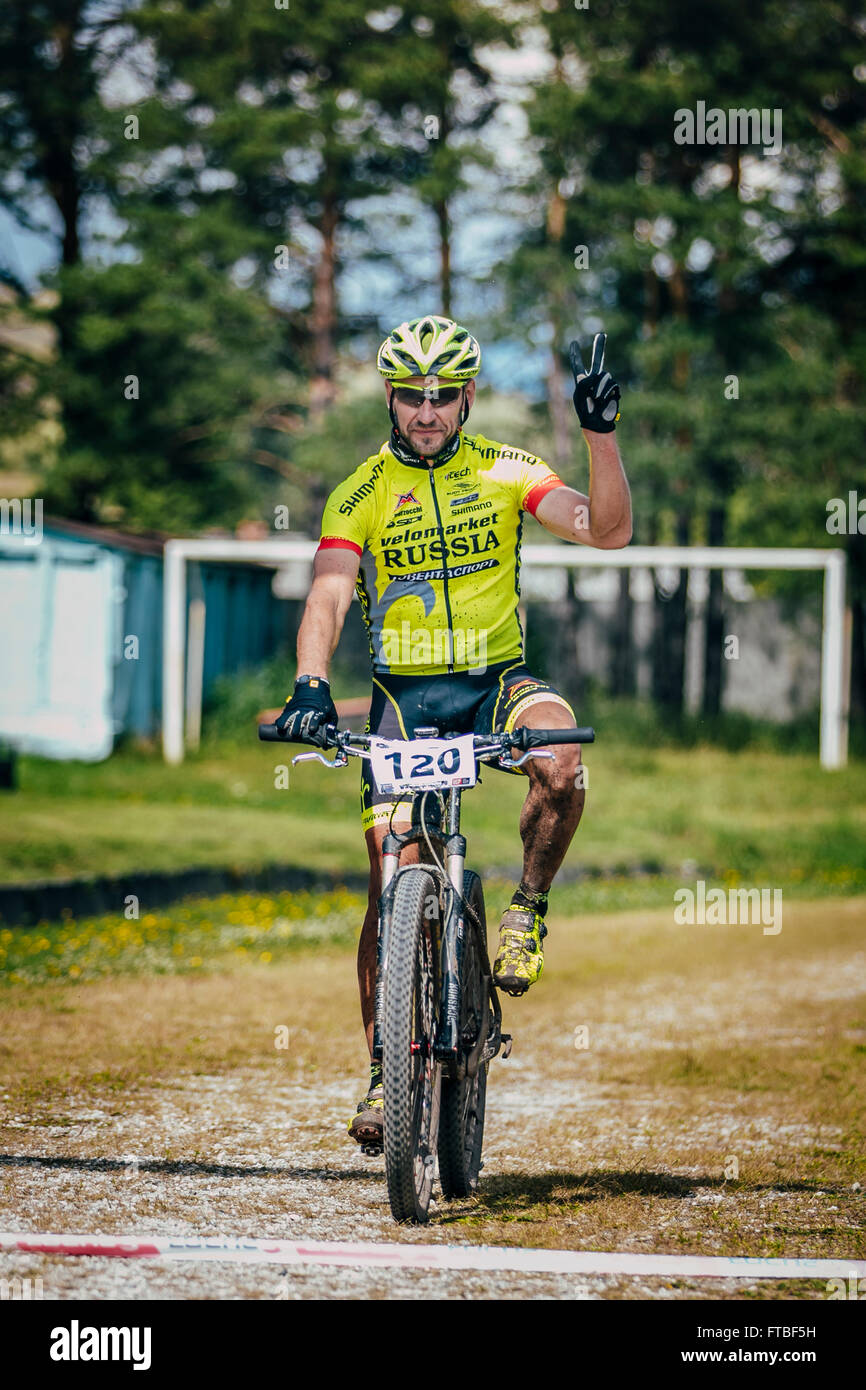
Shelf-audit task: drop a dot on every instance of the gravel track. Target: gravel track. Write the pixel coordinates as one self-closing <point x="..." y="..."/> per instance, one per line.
<point x="258" y="1152"/>
<point x="259" y="1176"/>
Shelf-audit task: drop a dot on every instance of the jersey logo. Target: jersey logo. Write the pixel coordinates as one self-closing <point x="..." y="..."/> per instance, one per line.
<point x="347" y="507"/>
<point x="403" y="498"/>
<point x="521" y="685"/>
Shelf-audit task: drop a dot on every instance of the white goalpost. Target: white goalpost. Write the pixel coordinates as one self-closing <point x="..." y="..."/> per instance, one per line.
<point x="183" y="663"/>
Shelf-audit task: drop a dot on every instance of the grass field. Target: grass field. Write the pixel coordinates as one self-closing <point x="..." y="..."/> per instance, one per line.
<point x="751" y="815"/>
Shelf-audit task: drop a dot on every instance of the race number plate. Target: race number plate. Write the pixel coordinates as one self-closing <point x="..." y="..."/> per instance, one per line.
<point x="424" y="764"/>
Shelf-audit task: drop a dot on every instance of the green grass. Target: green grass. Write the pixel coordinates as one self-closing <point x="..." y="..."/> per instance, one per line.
<point x="198" y="934"/>
<point x="756" y="816"/>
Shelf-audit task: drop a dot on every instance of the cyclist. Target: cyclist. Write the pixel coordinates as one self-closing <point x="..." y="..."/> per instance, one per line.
<point x="428" y="532"/>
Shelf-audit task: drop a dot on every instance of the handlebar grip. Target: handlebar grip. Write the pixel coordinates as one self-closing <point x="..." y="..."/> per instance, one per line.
<point x="269" y="733"/>
<point x="538" y="738"/>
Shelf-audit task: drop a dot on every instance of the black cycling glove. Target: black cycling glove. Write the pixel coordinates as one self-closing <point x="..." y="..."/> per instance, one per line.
<point x="596" y="395"/>
<point x="308" y="711"/>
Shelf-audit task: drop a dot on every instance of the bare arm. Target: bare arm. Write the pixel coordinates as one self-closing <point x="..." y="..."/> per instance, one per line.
<point x="334" y="574"/>
<point x="602" y="519"/>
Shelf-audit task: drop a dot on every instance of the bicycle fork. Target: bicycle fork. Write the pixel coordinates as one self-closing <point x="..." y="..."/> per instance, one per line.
<point x="391" y="847"/>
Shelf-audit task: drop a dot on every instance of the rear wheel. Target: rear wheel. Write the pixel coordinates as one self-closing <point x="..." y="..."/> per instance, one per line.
<point x="410" y="1072"/>
<point x="464" y="1097"/>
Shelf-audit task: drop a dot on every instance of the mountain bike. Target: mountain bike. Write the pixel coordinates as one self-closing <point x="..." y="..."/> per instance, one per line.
<point x="438" y="1020"/>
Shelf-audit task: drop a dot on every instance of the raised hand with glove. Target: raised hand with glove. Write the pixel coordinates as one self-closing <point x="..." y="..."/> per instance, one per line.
<point x="596" y="394"/>
<point x="308" y="711"/>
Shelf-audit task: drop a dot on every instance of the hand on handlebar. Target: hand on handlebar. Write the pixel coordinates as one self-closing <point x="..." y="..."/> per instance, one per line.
<point x="306" y="714"/>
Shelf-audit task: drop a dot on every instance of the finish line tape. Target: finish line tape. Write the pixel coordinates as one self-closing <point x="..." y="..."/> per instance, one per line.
<point x="408" y="1256"/>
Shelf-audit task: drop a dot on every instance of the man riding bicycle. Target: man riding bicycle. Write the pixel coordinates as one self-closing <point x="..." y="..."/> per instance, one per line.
<point x="428" y="532"/>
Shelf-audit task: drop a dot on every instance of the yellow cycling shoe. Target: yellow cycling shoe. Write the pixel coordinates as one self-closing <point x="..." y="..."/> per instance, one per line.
<point x="520" y="960"/>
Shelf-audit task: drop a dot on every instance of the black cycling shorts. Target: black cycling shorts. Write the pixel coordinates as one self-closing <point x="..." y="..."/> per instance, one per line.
<point x="466" y="702"/>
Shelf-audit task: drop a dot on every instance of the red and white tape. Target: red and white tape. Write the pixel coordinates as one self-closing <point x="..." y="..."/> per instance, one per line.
<point x="410" y="1256"/>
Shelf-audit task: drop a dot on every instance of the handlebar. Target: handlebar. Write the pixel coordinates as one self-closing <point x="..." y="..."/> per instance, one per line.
<point x="523" y="738"/>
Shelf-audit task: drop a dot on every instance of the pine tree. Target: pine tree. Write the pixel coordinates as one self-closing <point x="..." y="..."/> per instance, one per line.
<point x="697" y="266"/>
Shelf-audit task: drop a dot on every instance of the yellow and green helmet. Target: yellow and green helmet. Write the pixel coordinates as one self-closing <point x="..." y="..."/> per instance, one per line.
<point x="430" y="346"/>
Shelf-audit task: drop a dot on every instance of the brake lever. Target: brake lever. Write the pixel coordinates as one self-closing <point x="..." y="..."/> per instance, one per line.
<point x="506" y="761"/>
<point x="339" y="760"/>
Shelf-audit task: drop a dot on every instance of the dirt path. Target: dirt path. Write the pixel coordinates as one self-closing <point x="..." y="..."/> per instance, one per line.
<point x="691" y="1071"/>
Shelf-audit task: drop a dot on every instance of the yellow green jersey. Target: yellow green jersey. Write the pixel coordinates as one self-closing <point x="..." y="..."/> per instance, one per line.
<point x="439" y="580"/>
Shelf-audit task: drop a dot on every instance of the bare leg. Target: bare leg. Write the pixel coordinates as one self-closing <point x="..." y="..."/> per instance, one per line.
<point x="554" y="803"/>
<point x="369" y="931"/>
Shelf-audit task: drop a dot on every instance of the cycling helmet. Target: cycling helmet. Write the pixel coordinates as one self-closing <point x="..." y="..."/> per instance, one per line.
<point x="430" y="346"/>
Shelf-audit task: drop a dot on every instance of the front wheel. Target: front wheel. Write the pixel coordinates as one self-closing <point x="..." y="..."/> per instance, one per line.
<point x="464" y="1097"/>
<point x="410" y="1073"/>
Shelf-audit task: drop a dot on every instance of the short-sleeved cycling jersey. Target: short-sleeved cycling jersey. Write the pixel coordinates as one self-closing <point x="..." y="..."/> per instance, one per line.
<point x="439" y="581"/>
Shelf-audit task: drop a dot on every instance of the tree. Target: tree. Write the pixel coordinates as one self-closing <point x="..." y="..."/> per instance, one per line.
<point x="167" y="372"/>
<point x="442" y="80"/>
<point x="53" y="55"/>
<point x="695" y="258"/>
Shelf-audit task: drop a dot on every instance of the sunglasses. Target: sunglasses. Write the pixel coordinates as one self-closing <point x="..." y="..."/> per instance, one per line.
<point x="437" y="395"/>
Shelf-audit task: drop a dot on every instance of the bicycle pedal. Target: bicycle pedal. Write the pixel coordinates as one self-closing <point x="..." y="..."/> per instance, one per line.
<point x="506" y="1051"/>
<point x="372" y="1150"/>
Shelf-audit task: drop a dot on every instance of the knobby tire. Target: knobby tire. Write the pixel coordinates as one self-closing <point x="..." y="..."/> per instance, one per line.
<point x="411" y="1079"/>
<point x="461" y="1116"/>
